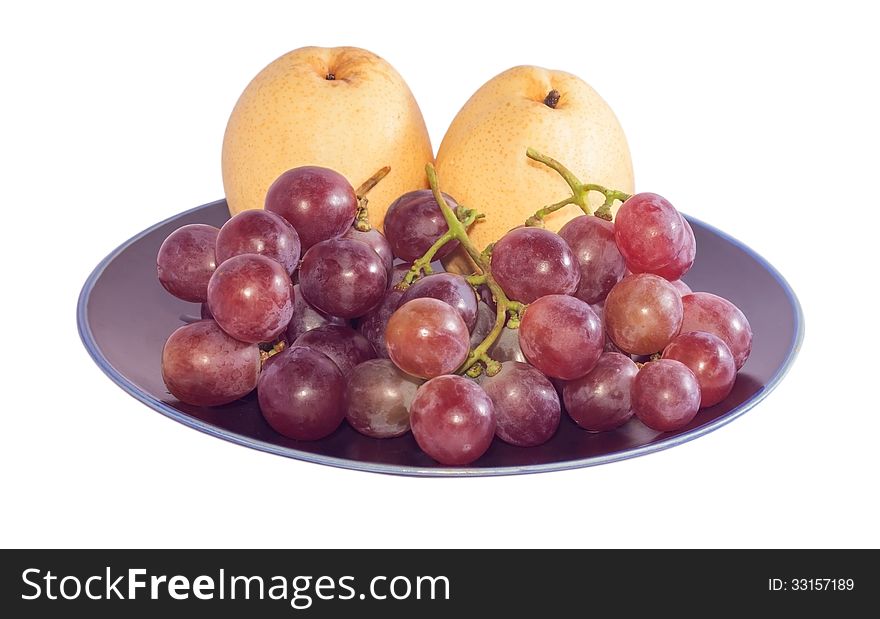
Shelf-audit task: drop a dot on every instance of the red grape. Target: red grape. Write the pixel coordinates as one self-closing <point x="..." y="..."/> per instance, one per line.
<point x="601" y="400"/>
<point x="378" y="397"/>
<point x="414" y="222"/>
<point x="342" y="278"/>
<point x="529" y="263"/>
<point x="561" y="336"/>
<point x="642" y="314"/>
<point x="649" y="232"/>
<point x="427" y="338"/>
<point x="301" y="394"/>
<point x="600" y="263"/>
<point x="187" y="260"/>
<point x="345" y="346"/>
<point x="449" y="288"/>
<point x="377" y="241"/>
<point x="320" y="203"/>
<point x="683" y="260"/>
<point x="251" y="298"/>
<point x="527" y="408"/>
<point x="665" y="395"/>
<point x="259" y="232"/>
<point x="203" y="366"/>
<point x="711" y="361"/>
<point x="372" y="326"/>
<point x="716" y="315"/>
<point x="453" y="420"/>
<point x="305" y="317"/>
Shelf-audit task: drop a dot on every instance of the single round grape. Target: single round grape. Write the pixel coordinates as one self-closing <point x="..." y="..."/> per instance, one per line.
<point x="683" y="260"/>
<point x="372" y="326"/>
<point x="449" y="288"/>
<point x="506" y="347"/>
<point x="427" y="338"/>
<point x="716" y="315"/>
<point x="682" y="288"/>
<point x="186" y="261"/>
<point x="561" y="336"/>
<point x="665" y="395"/>
<point x="259" y="232"/>
<point x="527" y="408"/>
<point x="600" y="262"/>
<point x="377" y="241"/>
<point x="251" y="298"/>
<point x="453" y="420"/>
<point x="320" y="203"/>
<point x="305" y="317"/>
<point x="649" y="232"/>
<point x="378" y="397"/>
<point x="485" y="322"/>
<point x="414" y="222"/>
<point x="203" y="366"/>
<point x="301" y="394"/>
<point x="345" y="346"/>
<point x="711" y="361"/>
<point x="343" y="278"/>
<point x="601" y="400"/>
<point x="529" y="263"/>
<point x="642" y="314"/>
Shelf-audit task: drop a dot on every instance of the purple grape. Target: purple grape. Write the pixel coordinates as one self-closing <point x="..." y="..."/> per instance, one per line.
<point x="345" y="346"/>
<point x="527" y="408"/>
<point x="373" y="325"/>
<point x="561" y="336"/>
<point x="377" y="241"/>
<point x="343" y="278"/>
<point x="601" y="400"/>
<point x="203" y="366"/>
<point x="716" y="315"/>
<point x="601" y="265"/>
<point x="506" y="347"/>
<point x="485" y="322"/>
<point x="453" y="420"/>
<point x="259" y="232"/>
<point x="378" y="397"/>
<point x="301" y="394"/>
<point x="449" y="288"/>
<point x="414" y="222"/>
<point x="251" y="298"/>
<point x="643" y="313"/>
<point x="305" y="317"/>
<point x="529" y="263"/>
<point x="649" y="232"/>
<point x="711" y="361"/>
<point x="665" y="395"/>
<point x="427" y="338"/>
<point x="186" y="261"/>
<point x="318" y="202"/>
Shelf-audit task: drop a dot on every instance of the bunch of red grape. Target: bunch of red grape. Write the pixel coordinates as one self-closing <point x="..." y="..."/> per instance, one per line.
<point x="606" y="328"/>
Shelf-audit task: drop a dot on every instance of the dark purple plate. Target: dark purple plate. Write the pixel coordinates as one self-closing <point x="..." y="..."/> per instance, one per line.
<point x="124" y="317"/>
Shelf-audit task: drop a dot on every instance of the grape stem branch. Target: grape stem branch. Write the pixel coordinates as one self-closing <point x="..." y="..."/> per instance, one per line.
<point x="579" y="192"/>
<point x="362" y="216"/>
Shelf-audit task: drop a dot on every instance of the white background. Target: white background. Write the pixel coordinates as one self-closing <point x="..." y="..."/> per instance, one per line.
<point x="759" y="118"/>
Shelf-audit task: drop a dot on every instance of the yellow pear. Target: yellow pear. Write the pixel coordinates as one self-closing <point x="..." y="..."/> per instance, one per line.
<point x="482" y="160"/>
<point x="342" y="108"/>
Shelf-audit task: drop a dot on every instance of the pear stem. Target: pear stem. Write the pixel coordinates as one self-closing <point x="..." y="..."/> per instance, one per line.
<point x="362" y="216"/>
<point x="579" y="192"/>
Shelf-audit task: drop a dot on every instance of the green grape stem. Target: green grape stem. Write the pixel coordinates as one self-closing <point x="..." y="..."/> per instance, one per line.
<point x="579" y="192"/>
<point x="362" y="216"/>
<point x="458" y="222"/>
